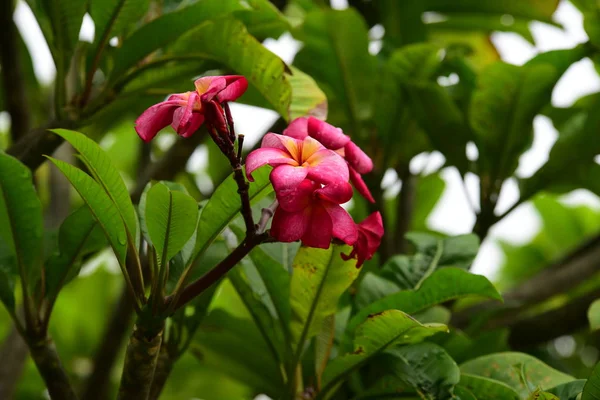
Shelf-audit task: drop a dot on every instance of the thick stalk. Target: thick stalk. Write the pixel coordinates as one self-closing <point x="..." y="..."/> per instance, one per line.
<point x="164" y="366"/>
<point x="140" y="363"/>
<point x="13" y="354"/>
<point x="45" y="357"/>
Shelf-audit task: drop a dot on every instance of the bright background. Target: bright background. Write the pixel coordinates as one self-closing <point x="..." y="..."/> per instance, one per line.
<point x="453" y="213"/>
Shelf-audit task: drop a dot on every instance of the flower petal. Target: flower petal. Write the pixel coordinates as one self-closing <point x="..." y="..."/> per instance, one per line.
<point x="331" y="137"/>
<point x="224" y="88"/>
<point x="327" y="167"/>
<point x="373" y="223"/>
<point x="193" y="126"/>
<point x="236" y="85"/>
<point x="291" y="145"/>
<point x="289" y="227"/>
<point x="297" y="128"/>
<point x="344" y="227"/>
<point x="155" y="118"/>
<point x="260" y="157"/>
<point x="320" y="226"/>
<point x="357" y="158"/>
<point x="360" y="184"/>
<point x="297" y="198"/>
<point x="207" y="87"/>
<point x="287" y="177"/>
<point x="183" y="115"/>
<point x="335" y="193"/>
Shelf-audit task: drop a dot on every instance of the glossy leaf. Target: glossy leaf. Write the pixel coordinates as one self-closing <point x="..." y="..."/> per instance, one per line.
<point x="379" y="332"/>
<point x="20" y="218"/>
<point x="426" y="367"/>
<point x="79" y="234"/>
<point x="487" y="389"/>
<point x="591" y="390"/>
<point x="443" y="285"/>
<point x="224" y="205"/>
<point x="319" y="279"/>
<point x="346" y="70"/>
<point x="170" y="217"/>
<point x="102" y="207"/>
<point x="569" y="390"/>
<point x="512" y="368"/>
<point x="107" y="175"/>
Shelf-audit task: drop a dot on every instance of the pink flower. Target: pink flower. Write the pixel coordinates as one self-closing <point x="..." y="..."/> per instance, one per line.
<point x="333" y="138"/>
<point x="185" y="112"/>
<point x="295" y="160"/>
<point x="312" y="214"/>
<point x="370" y="232"/>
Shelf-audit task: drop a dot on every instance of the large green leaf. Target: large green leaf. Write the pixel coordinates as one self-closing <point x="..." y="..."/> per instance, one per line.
<point x="20" y="218"/>
<point x="345" y="69"/>
<point x="107" y="175"/>
<point x="227" y="40"/>
<point x="591" y="390"/>
<point x="502" y="109"/>
<point x="513" y="368"/>
<point x="481" y="22"/>
<point x="379" y="332"/>
<point x="224" y="205"/>
<point x="432" y="253"/>
<point x="112" y="17"/>
<point x="426" y="367"/>
<point x="171" y="218"/>
<point x="101" y="206"/>
<point x="487" y="389"/>
<point x="540" y="10"/>
<point x="166" y="29"/>
<point x="443" y="285"/>
<point x="319" y="279"/>
<point x="234" y="345"/>
<point x="79" y="234"/>
<point x="568" y="391"/>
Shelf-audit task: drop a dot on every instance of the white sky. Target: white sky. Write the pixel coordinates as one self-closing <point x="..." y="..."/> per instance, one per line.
<point x="452" y="214"/>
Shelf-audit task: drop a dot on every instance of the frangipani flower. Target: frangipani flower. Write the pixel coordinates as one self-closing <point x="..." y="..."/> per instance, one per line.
<point x="186" y="112"/>
<point x="333" y="138"/>
<point x="295" y="160"/>
<point x="312" y="214"/>
<point x="370" y="232"/>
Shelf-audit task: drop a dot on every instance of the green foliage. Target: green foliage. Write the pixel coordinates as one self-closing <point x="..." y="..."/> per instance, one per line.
<point x="569" y="390"/>
<point x="591" y="390"/>
<point x="594" y="315"/>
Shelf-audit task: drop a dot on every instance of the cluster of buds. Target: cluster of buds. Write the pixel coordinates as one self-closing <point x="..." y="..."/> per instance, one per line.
<point x="313" y="165"/>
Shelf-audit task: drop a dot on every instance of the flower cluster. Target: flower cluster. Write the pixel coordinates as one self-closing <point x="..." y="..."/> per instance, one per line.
<point x="313" y="163"/>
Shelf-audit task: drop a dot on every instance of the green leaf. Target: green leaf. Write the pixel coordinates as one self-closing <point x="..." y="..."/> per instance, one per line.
<point x="234" y="345"/>
<point x="263" y="19"/>
<point x="224" y="205"/>
<point x="107" y="175"/>
<point x="227" y="40"/>
<point x="166" y="29"/>
<point x="538" y="394"/>
<point x="591" y="390"/>
<point x="323" y="346"/>
<point x="502" y="109"/>
<point x="594" y="315"/>
<point x="112" y="17"/>
<point x="426" y="367"/>
<point x="307" y="98"/>
<point x="7" y="287"/>
<point x="462" y="393"/>
<point x="512" y="368"/>
<point x="443" y="285"/>
<point x="528" y="9"/>
<point x="345" y="71"/>
<point x="569" y="390"/>
<point x="79" y="234"/>
<point x="21" y="218"/>
<point x="377" y="333"/>
<point x="170" y="218"/>
<point x="482" y="22"/>
<point x="487" y="389"/>
<point x="319" y="279"/>
<point x="101" y="206"/>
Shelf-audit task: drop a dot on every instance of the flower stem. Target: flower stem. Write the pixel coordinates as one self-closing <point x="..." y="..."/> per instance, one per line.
<point x="45" y="357"/>
<point x="140" y="363"/>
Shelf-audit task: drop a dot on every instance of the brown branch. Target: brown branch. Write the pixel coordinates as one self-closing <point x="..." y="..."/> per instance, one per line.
<point x="45" y="357"/>
<point x="212" y="276"/>
<point x="15" y="94"/>
<point x="107" y="353"/>
<point x="13" y="354"/>
<point x="164" y="366"/>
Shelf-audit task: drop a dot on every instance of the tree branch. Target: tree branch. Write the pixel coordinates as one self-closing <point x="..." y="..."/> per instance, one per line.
<point x="15" y="94"/>
<point x="45" y="357"/>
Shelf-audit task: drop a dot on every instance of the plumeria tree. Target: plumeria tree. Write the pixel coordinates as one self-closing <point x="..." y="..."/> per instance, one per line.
<point x="286" y="266"/>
